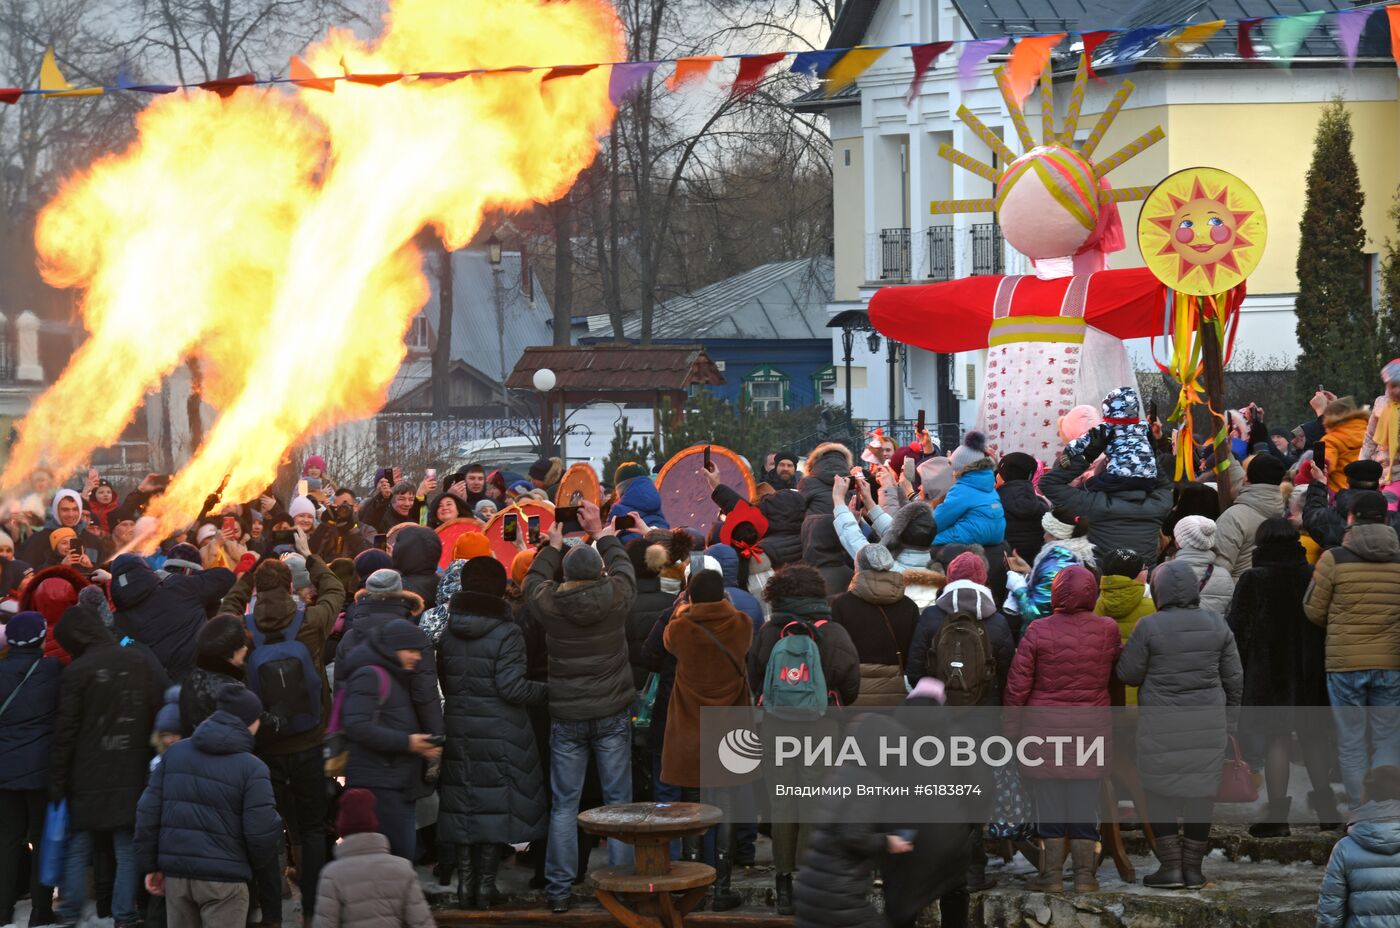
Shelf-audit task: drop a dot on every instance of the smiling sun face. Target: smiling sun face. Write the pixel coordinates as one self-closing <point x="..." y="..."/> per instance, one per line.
<point x="1201" y="231"/>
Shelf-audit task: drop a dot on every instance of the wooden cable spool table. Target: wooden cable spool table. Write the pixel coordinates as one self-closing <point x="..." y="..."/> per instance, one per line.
<point x="640" y="896"/>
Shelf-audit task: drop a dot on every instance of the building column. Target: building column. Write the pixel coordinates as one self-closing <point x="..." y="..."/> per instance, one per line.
<point x="27" y="366"/>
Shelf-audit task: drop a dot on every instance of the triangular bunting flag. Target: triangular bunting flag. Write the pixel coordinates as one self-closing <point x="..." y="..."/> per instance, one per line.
<point x="815" y="63"/>
<point x="1028" y="59"/>
<point x="850" y="66"/>
<point x="1092" y="41"/>
<point x="443" y="76"/>
<point x="924" y="58"/>
<point x="374" y="80"/>
<point x="1287" y="34"/>
<point x="1189" y="39"/>
<point x="1137" y="42"/>
<point x="626" y="78"/>
<point x="124" y="83"/>
<point x="751" y="71"/>
<point x="228" y="86"/>
<point x="50" y="77"/>
<point x="10" y="94"/>
<point x="301" y="74"/>
<point x="1244" y="41"/>
<point x="974" y="53"/>
<point x="690" y="69"/>
<point x="1350" y="24"/>
<point x="568" y="70"/>
<point x="1393" y="13"/>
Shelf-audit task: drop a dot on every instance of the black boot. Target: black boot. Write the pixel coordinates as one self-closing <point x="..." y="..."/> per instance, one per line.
<point x="784" y="894"/>
<point x="468" y="876"/>
<point x="490" y="862"/>
<point x="446" y="863"/>
<point x="1324" y="803"/>
<point x="723" y="897"/>
<point x="977" y="880"/>
<point x="1192" y="853"/>
<point x="1275" y="821"/>
<point x="1168" y="874"/>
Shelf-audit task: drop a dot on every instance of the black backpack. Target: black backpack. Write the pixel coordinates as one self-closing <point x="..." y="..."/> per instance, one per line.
<point x="282" y="674"/>
<point x="963" y="659"/>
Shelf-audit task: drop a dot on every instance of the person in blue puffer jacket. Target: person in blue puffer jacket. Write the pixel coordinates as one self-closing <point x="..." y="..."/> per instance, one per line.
<point x="1361" y="888"/>
<point x="636" y="496"/>
<point x="971" y="513"/>
<point x="207" y="819"/>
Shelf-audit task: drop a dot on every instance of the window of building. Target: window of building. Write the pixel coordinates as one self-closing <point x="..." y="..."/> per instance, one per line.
<point x="824" y="384"/>
<point x="767" y="389"/>
<point x="418" y="332"/>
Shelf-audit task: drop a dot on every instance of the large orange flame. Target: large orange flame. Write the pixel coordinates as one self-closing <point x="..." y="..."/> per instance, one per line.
<point x="270" y="233"/>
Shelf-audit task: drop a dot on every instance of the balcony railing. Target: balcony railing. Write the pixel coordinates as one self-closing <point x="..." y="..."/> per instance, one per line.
<point x="939" y="240"/>
<point x="894" y="254"/>
<point x="987" y="249"/>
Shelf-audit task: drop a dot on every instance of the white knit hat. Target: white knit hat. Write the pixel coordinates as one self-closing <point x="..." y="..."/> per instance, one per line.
<point x="1195" y="532"/>
<point x="1055" y="528"/>
<point x="206" y="531"/>
<point x="299" y="505"/>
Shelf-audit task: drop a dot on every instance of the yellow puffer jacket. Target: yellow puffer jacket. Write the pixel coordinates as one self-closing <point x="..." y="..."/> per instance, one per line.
<point x="1355" y="595"/>
<point x="1125" y="601"/>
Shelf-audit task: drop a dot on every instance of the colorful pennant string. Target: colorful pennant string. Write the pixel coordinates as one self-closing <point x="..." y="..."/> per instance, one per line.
<point x="838" y="67"/>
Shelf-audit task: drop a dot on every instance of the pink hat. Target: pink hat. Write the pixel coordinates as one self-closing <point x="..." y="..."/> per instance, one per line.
<point x="968" y="566"/>
<point x="1078" y="421"/>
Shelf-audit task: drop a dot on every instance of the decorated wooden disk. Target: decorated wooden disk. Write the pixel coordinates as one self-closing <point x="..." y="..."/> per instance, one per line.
<point x="583" y="479"/>
<point x="449" y="532"/>
<point x="1202" y="231"/>
<point x="505" y="551"/>
<point x="685" y="494"/>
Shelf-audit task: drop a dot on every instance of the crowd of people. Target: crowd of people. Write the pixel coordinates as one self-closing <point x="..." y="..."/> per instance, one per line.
<point x="295" y="691"/>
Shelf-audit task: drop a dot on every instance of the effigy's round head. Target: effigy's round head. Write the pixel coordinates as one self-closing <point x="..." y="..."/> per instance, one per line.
<point x="1047" y="202"/>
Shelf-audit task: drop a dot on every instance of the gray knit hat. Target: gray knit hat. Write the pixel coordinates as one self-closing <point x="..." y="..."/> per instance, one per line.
<point x="384" y="581"/>
<point x="972" y="450"/>
<point x="583" y="563"/>
<point x="874" y="557"/>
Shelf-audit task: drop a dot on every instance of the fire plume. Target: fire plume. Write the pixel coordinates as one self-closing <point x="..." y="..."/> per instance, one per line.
<point x="270" y="233"/>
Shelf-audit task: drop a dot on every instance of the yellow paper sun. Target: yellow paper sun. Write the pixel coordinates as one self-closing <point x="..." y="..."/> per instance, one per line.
<point x="1202" y="231"/>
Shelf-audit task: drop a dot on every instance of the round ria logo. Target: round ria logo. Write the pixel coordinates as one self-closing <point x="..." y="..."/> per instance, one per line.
<point x="740" y="752"/>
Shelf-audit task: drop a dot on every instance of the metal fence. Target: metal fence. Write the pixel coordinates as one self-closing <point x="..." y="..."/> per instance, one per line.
<point x="987" y="249"/>
<point x="939" y="240"/>
<point x="410" y="432"/>
<point x="894" y="254"/>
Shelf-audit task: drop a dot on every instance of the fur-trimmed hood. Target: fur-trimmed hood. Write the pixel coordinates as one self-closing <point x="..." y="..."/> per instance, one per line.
<point x="828" y="460"/>
<point x="914" y="514"/>
<point x="1343" y="410"/>
<point x="414" y="601"/>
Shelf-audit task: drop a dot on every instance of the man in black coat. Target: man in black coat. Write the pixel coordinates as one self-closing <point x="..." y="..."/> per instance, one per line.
<point x="590" y="683"/>
<point x="784" y="475"/>
<point x="29" y="683"/>
<point x="1130" y="519"/>
<point x="650" y="603"/>
<point x="165" y="611"/>
<point x="207" y="818"/>
<point x="101" y="748"/>
<point x="386" y="744"/>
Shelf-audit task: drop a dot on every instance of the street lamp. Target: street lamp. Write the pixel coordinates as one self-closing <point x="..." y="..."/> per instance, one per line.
<point x="850" y="322"/>
<point x="493" y="251"/>
<point x="545" y="381"/>
<point x="873" y="341"/>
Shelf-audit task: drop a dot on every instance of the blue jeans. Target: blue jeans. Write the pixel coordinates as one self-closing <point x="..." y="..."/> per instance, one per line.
<point x="1349" y="691"/>
<point x="74" y="895"/>
<point x="570" y="744"/>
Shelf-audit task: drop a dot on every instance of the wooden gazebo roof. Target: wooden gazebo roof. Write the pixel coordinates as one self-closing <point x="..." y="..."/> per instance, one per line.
<point x="609" y="370"/>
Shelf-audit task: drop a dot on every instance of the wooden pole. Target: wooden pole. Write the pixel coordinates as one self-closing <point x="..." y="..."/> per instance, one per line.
<point x="1213" y="360"/>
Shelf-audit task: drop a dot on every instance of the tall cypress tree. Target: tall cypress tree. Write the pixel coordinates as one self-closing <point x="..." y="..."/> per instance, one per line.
<point x="1336" y="327"/>
<point x="1389" y="334"/>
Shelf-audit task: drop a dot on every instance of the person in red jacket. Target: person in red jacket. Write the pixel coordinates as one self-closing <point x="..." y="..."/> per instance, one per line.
<point x="1066" y="660"/>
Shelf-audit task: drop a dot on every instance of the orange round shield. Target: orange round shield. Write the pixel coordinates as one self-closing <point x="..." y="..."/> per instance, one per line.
<point x="685" y="494"/>
<point x="583" y="479"/>
<point x="520" y="513"/>
<point x="449" y="532"/>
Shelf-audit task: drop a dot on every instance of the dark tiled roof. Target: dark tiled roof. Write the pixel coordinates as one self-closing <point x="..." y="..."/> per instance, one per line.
<point x="988" y="18"/>
<point x="617" y="368"/>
